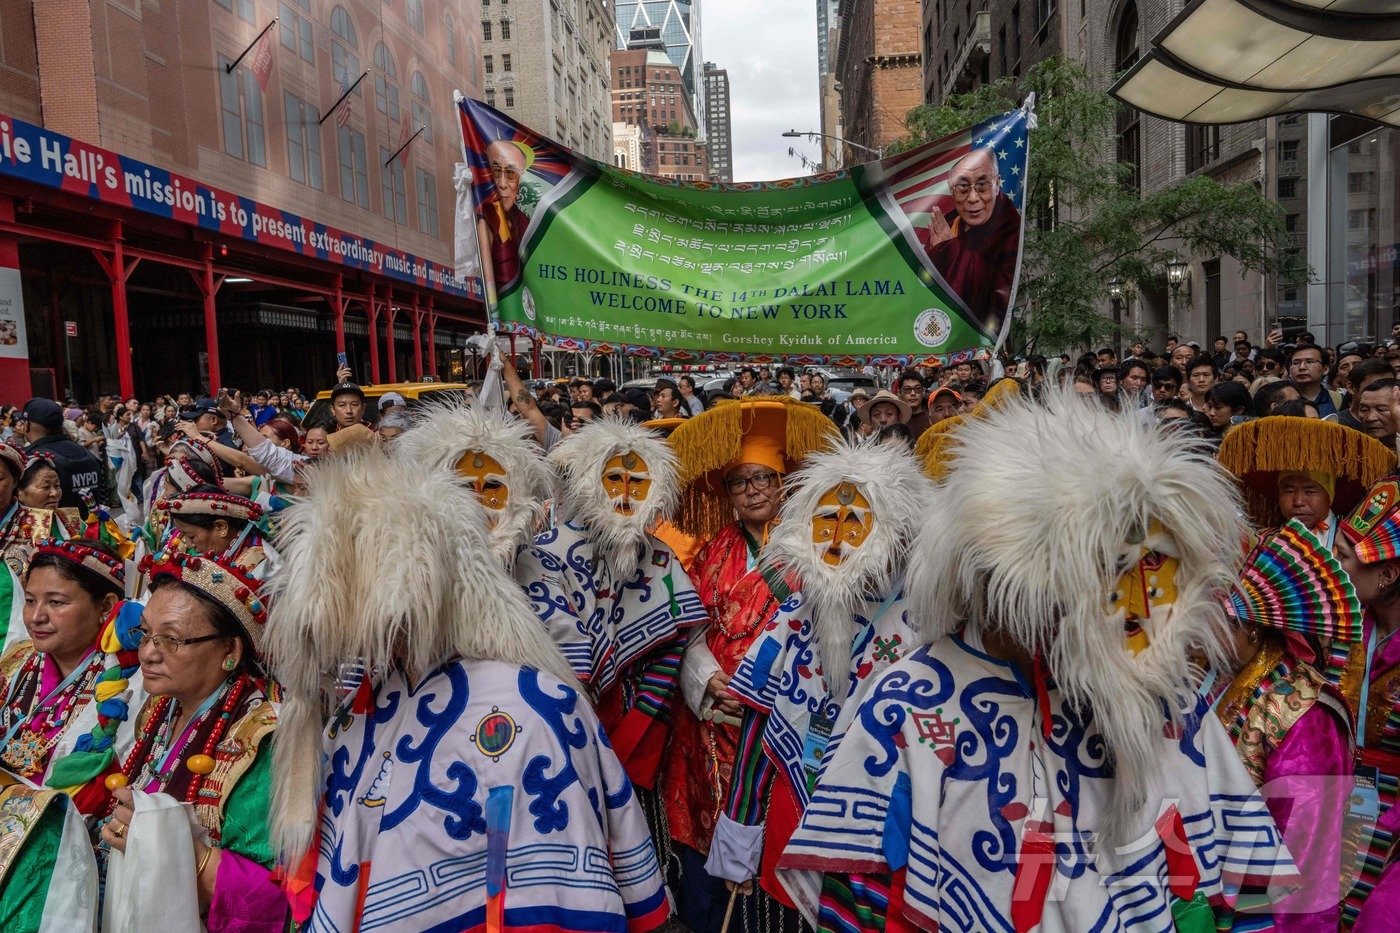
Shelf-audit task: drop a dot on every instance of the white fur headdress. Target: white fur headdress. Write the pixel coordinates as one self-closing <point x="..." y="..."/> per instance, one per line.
<point x="442" y="435"/>
<point x="898" y="491"/>
<point x="580" y="459"/>
<point x="385" y="563"/>
<point x="1028" y="536"/>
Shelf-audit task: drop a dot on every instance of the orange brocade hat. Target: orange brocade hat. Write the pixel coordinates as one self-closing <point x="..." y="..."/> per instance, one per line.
<point x="773" y="431"/>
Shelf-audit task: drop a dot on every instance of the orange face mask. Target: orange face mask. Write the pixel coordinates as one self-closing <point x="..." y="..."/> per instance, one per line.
<point x="843" y="517"/>
<point x="1148" y="582"/>
<point x="486" y="477"/>
<point x="626" y="480"/>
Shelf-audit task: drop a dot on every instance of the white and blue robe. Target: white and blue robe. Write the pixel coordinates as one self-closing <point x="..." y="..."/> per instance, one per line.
<point x="605" y="626"/>
<point x="947" y="770"/>
<point x="483" y="776"/>
<point x="781" y="677"/>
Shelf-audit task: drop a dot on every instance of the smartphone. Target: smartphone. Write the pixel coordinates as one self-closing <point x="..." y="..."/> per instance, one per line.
<point x="341" y="360"/>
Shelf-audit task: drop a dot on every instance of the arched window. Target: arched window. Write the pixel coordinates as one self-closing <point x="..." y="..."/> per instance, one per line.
<point x="449" y="28"/>
<point x="422" y="113"/>
<point x="345" y="47"/>
<point x="1128" y="51"/>
<point x="386" y="89"/>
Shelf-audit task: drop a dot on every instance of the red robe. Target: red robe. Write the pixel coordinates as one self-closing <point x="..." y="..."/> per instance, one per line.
<point x="700" y="760"/>
<point x="504" y="251"/>
<point x="978" y="263"/>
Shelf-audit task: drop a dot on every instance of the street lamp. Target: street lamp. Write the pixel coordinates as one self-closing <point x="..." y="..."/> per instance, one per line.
<point x="813" y="134"/>
<point x="1179" y="276"/>
<point x="1115" y="295"/>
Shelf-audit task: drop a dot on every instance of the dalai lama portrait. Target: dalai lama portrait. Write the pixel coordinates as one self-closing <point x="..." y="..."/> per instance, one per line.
<point x="975" y="247"/>
<point x="501" y="224"/>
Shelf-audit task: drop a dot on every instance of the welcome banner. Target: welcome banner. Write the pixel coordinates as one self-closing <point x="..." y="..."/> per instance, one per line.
<point x="911" y="258"/>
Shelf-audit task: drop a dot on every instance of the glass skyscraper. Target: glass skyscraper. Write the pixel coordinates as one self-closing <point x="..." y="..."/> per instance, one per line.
<point x="679" y="22"/>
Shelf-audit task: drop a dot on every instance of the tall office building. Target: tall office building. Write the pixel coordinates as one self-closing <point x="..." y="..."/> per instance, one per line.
<point x="679" y="25"/>
<point x="560" y="88"/>
<point x="827" y="15"/>
<point x="647" y="93"/>
<point x="828" y="35"/>
<point x="717" y="120"/>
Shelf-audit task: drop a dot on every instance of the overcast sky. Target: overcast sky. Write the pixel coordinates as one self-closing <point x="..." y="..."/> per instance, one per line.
<point x="770" y="50"/>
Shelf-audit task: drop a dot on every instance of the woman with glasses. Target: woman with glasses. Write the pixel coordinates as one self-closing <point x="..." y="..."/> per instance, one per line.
<point x="202" y="738"/>
<point x="738" y="453"/>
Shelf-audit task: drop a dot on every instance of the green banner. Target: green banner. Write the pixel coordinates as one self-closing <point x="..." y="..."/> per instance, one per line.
<point x="913" y="257"/>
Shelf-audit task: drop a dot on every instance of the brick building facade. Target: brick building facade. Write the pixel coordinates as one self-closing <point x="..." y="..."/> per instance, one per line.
<point x="156" y="81"/>
<point x="648" y="92"/>
<point x="879" y="67"/>
<point x="968" y="43"/>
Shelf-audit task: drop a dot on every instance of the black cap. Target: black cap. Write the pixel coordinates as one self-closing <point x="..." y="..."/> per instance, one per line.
<point x="639" y="398"/>
<point x="203" y="406"/>
<point x="44" y="412"/>
<point x="347" y="388"/>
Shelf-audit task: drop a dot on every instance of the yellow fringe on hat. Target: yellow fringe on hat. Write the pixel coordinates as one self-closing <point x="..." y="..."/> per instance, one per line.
<point x="1257" y="451"/>
<point x="712" y="441"/>
<point x="935" y="445"/>
<point x="997" y="395"/>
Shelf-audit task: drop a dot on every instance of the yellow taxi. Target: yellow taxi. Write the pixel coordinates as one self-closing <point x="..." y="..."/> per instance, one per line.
<point x="414" y="394"/>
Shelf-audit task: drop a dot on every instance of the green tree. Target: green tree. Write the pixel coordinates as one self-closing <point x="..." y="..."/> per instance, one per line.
<point x="1083" y="226"/>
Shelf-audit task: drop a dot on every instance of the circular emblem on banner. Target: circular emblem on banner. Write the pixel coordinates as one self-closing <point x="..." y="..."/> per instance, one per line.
<point x="496" y="733"/>
<point x="527" y="301"/>
<point x="932" y="328"/>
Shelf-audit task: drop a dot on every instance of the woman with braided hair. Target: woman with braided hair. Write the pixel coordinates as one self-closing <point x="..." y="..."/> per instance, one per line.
<point x="202" y="738"/>
<point x="52" y="698"/>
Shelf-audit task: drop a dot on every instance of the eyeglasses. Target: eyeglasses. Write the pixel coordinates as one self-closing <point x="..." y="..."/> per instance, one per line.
<point x="981" y="186"/>
<point x="165" y="644"/>
<point x="912" y="390"/>
<point x="761" y="482"/>
<point x="504" y="171"/>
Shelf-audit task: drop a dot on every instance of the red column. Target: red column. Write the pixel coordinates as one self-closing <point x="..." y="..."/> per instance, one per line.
<point x="338" y="309"/>
<point x="208" y="287"/>
<point x="372" y="317"/>
<point x="390" y="342"/>
<point x="432" y="339"/>
<point x="118" y="271"/>
<point x="417" y="340"/>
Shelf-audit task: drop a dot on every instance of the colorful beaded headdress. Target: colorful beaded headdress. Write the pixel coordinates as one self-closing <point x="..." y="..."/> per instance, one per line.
<point x="182" y="475"/>
<point x="1373" y="527"/>
<point x="86" y="555"/>
<point x="13" y="458"/>
<point x="220" y="581"/>
<point x="214" y="504"/>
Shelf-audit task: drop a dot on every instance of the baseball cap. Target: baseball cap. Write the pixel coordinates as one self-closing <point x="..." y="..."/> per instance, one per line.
<point x="203" y="406"/>
<point x="639" y="398"/>
<point x="944" y="390"/>
<point x="44" y="412"/>
<point x="390" y="398"/>
<point x="347" y="388"/>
